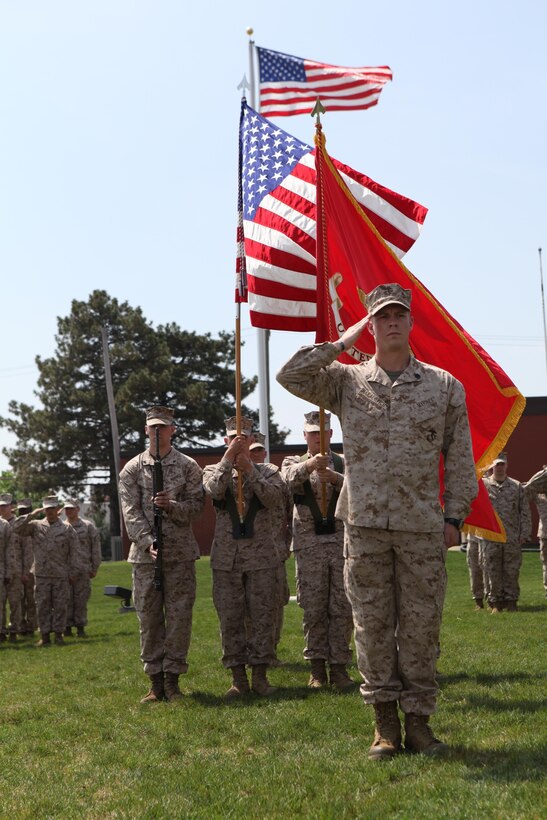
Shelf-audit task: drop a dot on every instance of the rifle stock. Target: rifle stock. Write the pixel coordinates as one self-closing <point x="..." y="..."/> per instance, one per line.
<point x="157" y="486"/>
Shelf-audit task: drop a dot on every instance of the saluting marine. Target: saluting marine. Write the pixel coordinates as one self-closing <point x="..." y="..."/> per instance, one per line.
<point x="398" y="417"/>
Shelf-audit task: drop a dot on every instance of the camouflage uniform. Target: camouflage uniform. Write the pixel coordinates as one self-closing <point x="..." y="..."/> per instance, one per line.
<point x="394" y="434"/>
<point x="165" y="617"/>
<point x="29" y="617"/>
<point x="245" y="569"/>
<point x="474" y="564"/>
<point x="536" y="489"/>
<point x="55" y="547"/>
<point x="6" y="561"/>
<point x="87" y="562"/>
<point x="502" y="561"/>
<point x="540" y="500"/>
<point x="14" y="590"/>
<point x="319" y="560"/>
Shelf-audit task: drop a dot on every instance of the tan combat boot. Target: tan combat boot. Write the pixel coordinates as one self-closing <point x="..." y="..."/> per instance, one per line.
<point x="479" y="603"/>
<point x="318" y="677"/>
<point x="44" y="640"/>
<point x="419" y="737"/>
<point x="59" y="640"/>
<point x="387" y="735"/>
<point x="240" y="684"/>
<point x="157" y="690"/>
<point x="260" y="683"/>
<point x="172" y="691"/>
<point x="339" y="677"/>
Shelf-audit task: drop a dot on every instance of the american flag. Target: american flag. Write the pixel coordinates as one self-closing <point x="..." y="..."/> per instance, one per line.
<point x="276" y="267"/>
<point x="290" y="85"/>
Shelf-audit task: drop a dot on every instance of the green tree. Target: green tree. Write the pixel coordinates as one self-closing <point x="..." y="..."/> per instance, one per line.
<point x="68" y="438"/>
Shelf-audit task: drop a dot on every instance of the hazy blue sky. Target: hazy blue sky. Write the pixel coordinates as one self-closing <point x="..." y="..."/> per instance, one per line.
<point x="118" y="161"/>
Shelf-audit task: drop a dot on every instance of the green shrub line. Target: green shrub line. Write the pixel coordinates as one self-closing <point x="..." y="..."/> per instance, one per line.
<point x="75" y="742"/>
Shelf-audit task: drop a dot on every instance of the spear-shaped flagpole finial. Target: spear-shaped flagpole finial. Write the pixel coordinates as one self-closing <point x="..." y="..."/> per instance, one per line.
<point x="318" y="109"/>
<point x="243" y="86"/>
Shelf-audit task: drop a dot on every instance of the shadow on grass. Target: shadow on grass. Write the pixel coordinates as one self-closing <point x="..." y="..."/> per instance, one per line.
<point x="506" y="705"/>
<point x="489" y="680"/>
<point x="285" y="693"/>
<point x="502" y="765"/>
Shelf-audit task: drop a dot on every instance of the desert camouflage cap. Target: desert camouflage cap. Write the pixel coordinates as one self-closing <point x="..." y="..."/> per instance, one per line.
<point x="5" y="499"/>
<point x="50" y="501"/>
<point x="259" y="441"/>
<point x="246" y="426"/>
<point x="312" y="424"/>
<point x="160" y="415"/>
<point x="24" y="504"/>
<point x="384" y="295"/>
<point x="501" y="459"/>
<point x="71" y="502"/>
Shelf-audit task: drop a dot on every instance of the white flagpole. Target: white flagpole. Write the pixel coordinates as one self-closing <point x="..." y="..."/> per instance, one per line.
<point x="262" y="335"/>
<point x="543" y="304"/>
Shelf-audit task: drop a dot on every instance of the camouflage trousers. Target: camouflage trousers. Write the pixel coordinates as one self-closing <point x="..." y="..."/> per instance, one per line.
<point x="165" y="618"/>
<point x="80" y="590"/>
<point x="245" y="603"/>
<point x="29" y="616"/>
<point x="327" y="619"/>
<point x="14" y="592"/>
<point x="396" y="583"/>
<point x="282" y="595"/>
<point x="501" y="564"/>
<point x="476" y="575"/>
<point x="543" y="556"/>
<point x="52" y="603"/>
<point x="3" y="599"/>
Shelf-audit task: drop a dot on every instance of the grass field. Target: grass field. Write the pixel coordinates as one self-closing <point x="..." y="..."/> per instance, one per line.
<point x="74" y="741"/>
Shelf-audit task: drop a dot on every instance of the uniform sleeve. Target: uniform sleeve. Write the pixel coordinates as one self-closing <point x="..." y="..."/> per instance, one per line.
<point x="460" y="481"/>
<point x="267" y="485"/>
<point x="28" y="554"/>
<point x="525" y="523"/>
<point x="295" y="474"/>
<point x="313" y="374"/>
<point x="136" y="523"/>
<point x="25" y="525"/>
<point x="217" y="478"/>
<point x="182" y="512"/>
<point x="338" y="484"/>
<point x="96" y="554"/>
<point x="72" y="551"/>
<point x="10" y="553"/>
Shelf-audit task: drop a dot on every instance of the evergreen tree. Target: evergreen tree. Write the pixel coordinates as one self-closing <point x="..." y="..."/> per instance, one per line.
<point x="68" y="439"/>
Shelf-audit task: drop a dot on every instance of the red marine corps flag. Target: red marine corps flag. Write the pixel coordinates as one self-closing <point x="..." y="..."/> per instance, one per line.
<point x="352" y="259"/>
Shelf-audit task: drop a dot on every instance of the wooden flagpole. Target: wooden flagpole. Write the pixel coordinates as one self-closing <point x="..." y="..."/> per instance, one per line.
<point x="317" y="111"/>
<point x="240" y="499"/>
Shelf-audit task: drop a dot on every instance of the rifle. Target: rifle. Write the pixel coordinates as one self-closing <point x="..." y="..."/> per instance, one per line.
<point x="157" y="486"/>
